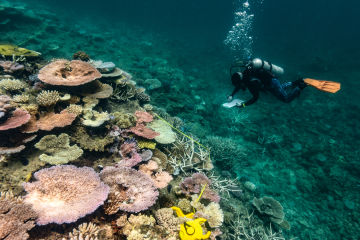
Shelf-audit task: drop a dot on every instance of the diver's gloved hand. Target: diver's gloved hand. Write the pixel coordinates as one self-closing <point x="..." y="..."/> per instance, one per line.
<point x="299" y="83"/>
<point x="240" y="104"/>
<point x="230" y="98"/>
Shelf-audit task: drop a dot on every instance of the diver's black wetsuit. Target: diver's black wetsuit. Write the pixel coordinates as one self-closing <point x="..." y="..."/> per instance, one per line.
<point x="259" y="79"/>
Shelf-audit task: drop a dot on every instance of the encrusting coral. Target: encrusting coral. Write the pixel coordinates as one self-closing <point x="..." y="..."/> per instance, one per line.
<point x="131" y="190"/>
<point x="57" y="150"/>
<point x="47" y="98"/>
<point x="65" y="193"/>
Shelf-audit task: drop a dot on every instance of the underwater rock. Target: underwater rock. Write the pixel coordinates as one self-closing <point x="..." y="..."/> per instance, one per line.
<point x="166" y="134"/>
<point x="131" y="190"/>
<point x="65" y="193"/>
<point x="16" y="217"/>
<point x="68" y="73"/>
<point x="57" y="149"/>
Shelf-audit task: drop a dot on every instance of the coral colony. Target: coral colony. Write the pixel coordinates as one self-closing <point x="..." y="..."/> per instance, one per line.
<point x="98" y="156"/>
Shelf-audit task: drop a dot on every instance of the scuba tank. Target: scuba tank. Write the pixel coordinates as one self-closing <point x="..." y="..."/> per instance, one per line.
<point x="257" y="63"/>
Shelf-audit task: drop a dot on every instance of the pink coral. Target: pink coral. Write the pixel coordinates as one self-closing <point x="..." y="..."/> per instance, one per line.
<point x="19" y="117"/>
<point x="131" y="190"/>
<point x="129" y="154"/>
<point x="195" y="183"/>
<point x="142" y="131"/>
<point x="161" y="179"/>
<point x="65" y="193"/>
<point x="143" y="117"/>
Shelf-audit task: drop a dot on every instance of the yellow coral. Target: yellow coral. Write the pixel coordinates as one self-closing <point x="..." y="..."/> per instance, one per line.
<point x="146" y="144"/>
<point x="23" y="98"/>
<point x="12" y="84"/>
<point x="75" y="109"/>
<point x="10" y="50"/>
<point x="48" y="98"/>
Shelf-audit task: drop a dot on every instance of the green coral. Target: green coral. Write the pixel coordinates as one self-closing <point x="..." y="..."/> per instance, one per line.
<point x="90" y="142"/>
<point x="123" y="120"/>
<point x="9" y="50"/>
<point x="57" y="149"/>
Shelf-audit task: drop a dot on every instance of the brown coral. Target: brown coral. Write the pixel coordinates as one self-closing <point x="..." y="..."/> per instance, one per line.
<point x="16" y="218"/>
<point x="19" y="117"/>
<point x="68" y="73"/>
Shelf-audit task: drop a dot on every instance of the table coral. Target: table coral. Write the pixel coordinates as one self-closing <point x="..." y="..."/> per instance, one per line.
<point x="65" y="193"/>
<point x="131" y="190"/>
<point x="18" y="118"/>
<point x="68" y="73"/>
<point x="57" y="150"/>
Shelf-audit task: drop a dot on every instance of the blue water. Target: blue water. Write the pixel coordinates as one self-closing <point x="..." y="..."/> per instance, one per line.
<point x="304" y="154"/>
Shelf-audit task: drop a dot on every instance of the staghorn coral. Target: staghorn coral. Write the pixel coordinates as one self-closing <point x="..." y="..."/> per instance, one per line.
<point x="47" y="98"/>
<point x="195" y="183"/>
<point x="272" y="209"/>
<point x="12" y="85"/>
<point x="123" y="120"/>
<point x="90" y="142"/>
<point x="57" y="150"/>
<point x="131" y="190"/>
<point x="16" y="217"/>
<point x="65" y="193"/>
<point x="68" y="73"/>
<point x="92" y="118"/>
<point x="18" y="118"/>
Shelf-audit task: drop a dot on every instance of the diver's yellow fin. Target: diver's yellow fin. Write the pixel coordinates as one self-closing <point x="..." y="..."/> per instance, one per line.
<point x="326" y="86"/>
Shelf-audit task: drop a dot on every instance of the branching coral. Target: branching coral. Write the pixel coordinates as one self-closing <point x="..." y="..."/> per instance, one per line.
<point x="74" y="109"/>
<point x="47" y="98"/>
<point x="12" y="85"/>
<point x="185" y="156"/>
<point x="131" y="190"/>
<point x="57" y="150"/>
<point x="65" y="193"/>
<point x="85" y="231"/>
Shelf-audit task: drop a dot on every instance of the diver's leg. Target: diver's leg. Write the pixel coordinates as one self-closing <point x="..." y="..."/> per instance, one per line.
<point x="278" y="90"/>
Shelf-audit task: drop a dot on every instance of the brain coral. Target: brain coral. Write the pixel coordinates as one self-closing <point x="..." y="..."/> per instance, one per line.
<point x="68" y="73"/>
<point x="65" y="193"/>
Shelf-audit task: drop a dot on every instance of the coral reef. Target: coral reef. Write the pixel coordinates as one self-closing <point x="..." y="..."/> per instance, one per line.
<point x="131" y="190"/>
<point x="65" y="193"/>
<point x="57" y="149"/>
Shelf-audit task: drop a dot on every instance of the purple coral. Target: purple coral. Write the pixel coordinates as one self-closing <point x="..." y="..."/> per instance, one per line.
<point x="195" y="183"/>
<point x="63" y="194"/>
<point x="131" y="190"/>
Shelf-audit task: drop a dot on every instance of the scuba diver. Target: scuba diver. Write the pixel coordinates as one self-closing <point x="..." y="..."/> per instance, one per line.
<point x="261" y="75"/>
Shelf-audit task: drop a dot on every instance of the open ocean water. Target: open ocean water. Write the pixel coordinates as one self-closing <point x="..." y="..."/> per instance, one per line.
<point x="305" y="154"/>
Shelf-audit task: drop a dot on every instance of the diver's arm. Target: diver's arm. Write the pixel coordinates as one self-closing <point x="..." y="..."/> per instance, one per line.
<point x="255" y="97"/>
<point x="235" y="91"/>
